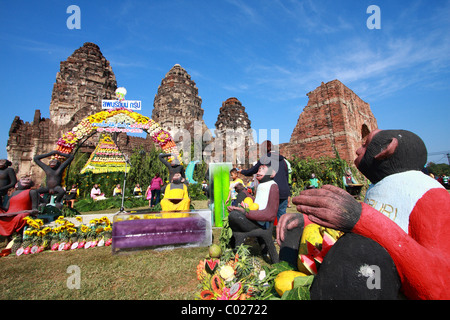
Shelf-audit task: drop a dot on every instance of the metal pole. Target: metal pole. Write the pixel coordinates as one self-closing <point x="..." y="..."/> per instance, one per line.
<point x="124" y="183"/>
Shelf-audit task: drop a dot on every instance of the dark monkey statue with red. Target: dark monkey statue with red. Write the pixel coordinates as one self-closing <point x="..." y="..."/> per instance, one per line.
<point x="401" y="228"/>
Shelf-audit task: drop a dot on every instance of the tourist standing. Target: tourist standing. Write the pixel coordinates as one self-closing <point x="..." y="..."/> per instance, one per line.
<point x="154" y="190"/>
<point x="137" y="191"/>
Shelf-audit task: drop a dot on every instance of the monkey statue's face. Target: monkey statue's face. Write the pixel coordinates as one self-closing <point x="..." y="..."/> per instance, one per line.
<point x="361" y="151"/>
<point x="4" y="164"/>
<point x="387" y="152"/>
<point x="54" y="164"/>
<point x="25" y="183"/>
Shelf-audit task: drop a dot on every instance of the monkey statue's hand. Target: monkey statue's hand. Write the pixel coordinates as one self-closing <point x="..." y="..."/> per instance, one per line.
<point x="330" y="207"/>
<point x="288" y="221"/>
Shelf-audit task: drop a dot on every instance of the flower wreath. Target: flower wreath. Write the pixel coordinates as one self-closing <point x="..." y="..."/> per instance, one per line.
<point x="69" y="140"/>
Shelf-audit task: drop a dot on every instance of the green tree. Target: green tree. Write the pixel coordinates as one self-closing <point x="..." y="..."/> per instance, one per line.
<point x="328" y="170"/>
<point x="438" y="169"/>
<point x="144" y="166"/>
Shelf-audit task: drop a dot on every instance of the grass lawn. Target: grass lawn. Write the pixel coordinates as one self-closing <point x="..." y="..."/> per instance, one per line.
<point x="149" y="274"/>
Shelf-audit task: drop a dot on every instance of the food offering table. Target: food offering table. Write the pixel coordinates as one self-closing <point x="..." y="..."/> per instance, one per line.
<point x="161" y="230"/>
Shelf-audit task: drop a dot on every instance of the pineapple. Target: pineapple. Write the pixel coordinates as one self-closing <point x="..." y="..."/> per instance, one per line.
<point x="26" y="245"/>
<point x="17" y="243"/>
<point x="108" y="235"/>
<point x="55" y="242"/>
<point x="73" y="238"/>
<point x="65" y="240"/>
<point x="46" y="240"/>
<point x="256" y="265"/>
<point x="108" y="238"/>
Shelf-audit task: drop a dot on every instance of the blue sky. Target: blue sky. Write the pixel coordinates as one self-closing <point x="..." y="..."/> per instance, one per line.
<point x="267" y="53"/>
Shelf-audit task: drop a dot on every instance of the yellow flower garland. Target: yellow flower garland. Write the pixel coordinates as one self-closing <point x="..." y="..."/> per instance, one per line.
<point x="69" y="139"/>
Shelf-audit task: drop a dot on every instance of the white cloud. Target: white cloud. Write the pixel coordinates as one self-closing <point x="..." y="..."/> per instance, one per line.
<point x="373" y="68"/>
<point x="248" y="12"/>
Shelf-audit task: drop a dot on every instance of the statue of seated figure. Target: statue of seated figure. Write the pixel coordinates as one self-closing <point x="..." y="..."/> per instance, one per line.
<point x="22" y="203"/>
<point x="176" y="197"/>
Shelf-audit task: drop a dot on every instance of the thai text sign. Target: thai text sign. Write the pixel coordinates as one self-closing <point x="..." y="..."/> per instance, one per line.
<point x="120" y="127"/>
<point x="128" y="104"/>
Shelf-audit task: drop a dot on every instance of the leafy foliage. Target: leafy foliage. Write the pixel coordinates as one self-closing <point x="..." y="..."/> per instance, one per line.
<point x="144" y="166"/>
<point x="300" y="289"/>
<point x="195" y="192"/>
<point x="438" y="169"/>
<point x="327" y="170"/>
<point x="89" y="204"/>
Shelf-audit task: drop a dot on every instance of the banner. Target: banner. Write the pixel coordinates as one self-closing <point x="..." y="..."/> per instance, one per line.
<point x="128" y="104"/>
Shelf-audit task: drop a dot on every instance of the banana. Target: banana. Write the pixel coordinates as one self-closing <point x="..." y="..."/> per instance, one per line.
<point x="334" y="233"/>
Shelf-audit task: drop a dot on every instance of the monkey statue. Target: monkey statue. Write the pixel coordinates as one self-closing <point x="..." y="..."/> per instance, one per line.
<point x="8" y="179"/>
<point x="23" y="202"/>
<point x="401" y="228"/>
<point x="174" y="167"/>
<point x="54" y="173"/>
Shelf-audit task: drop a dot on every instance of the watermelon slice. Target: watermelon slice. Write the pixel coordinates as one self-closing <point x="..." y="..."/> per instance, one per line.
<point x="312" y="250"/>
<point x="318" y="258"/>
<point x="308" y="262"/>
<point x="327" y="243"/>
<point x="211" y="265"/>
<point x="315" y="253"/>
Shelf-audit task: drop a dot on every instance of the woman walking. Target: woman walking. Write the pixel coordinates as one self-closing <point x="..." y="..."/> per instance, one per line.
<point x="154" y="190"/>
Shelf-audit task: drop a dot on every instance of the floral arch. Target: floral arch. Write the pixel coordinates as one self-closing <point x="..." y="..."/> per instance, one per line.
<point x="117" y="120"/>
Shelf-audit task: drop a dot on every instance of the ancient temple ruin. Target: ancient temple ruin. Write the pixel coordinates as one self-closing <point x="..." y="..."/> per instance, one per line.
<point x="334" y="120"/>
<point x="233" y="127"/>
<point x="177" y="104"/>
<point x="83" y="80"/>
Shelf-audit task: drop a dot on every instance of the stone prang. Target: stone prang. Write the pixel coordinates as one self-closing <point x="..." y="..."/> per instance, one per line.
<point x="177" y="104"/>
<point x="84" y="79"/>
<point x="232" y="115"/>
<point x="233" y="127"/>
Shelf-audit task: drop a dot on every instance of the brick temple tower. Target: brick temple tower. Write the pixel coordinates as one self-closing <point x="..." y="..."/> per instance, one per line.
<point x="335" y="119"/>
